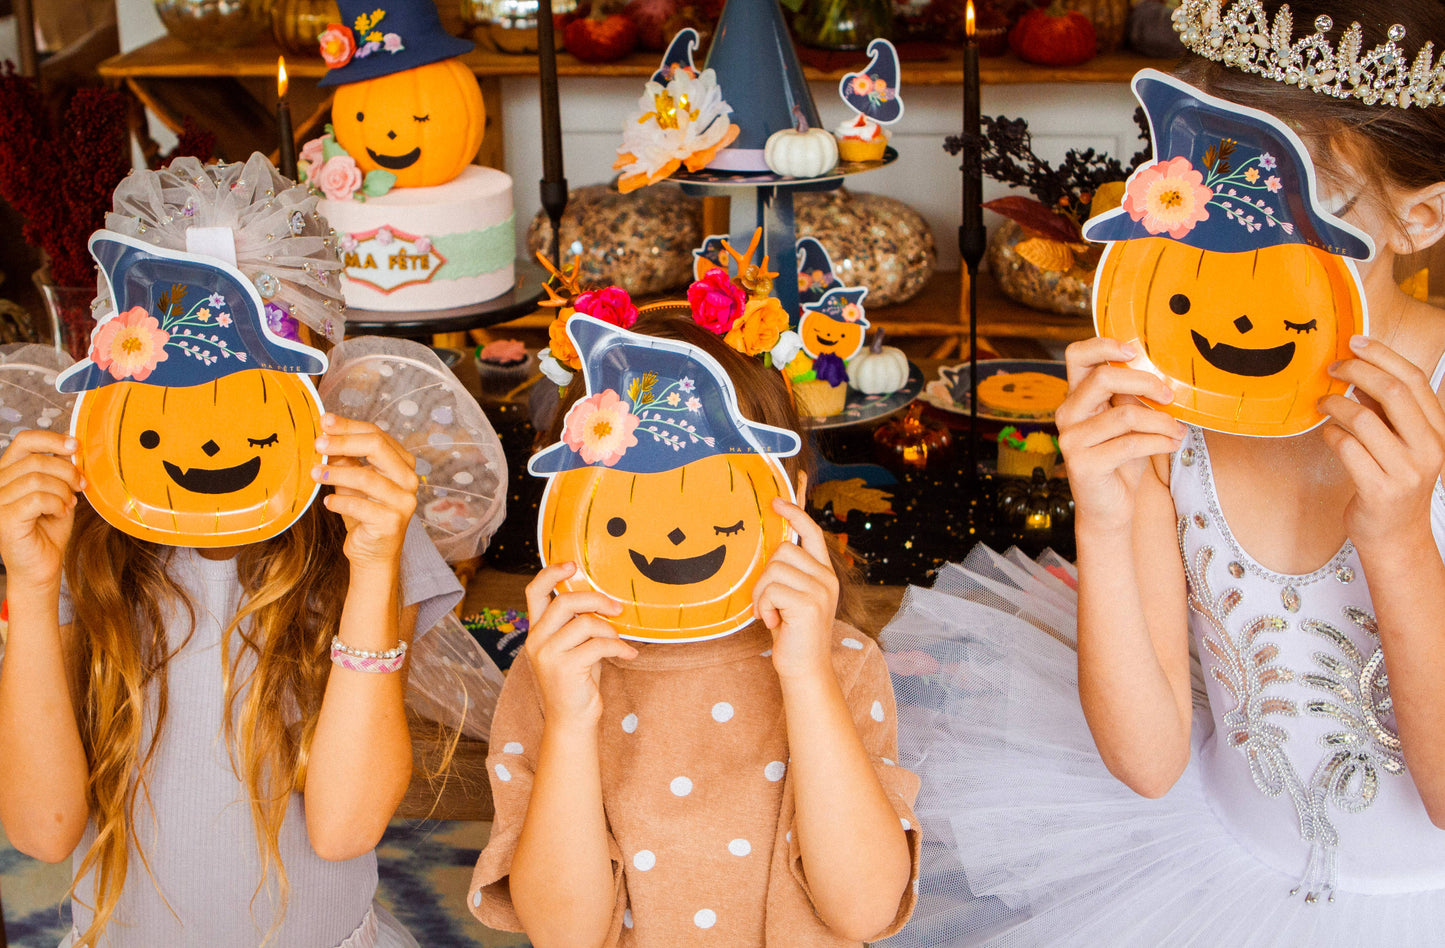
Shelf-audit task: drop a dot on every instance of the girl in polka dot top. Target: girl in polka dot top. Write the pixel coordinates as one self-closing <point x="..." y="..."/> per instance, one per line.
<point x="738" y="791"/>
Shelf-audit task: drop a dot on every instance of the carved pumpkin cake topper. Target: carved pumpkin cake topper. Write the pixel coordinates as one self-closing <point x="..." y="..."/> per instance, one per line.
<point x="196" y="422"/>
<point x="1224" y="271"/>
<point x="660" y="490"/>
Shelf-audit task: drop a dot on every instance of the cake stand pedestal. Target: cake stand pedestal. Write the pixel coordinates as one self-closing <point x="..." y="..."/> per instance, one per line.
<point x="421" y="325"/>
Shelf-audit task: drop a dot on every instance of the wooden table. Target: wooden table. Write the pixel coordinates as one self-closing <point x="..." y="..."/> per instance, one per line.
<point x="464" y="793"/>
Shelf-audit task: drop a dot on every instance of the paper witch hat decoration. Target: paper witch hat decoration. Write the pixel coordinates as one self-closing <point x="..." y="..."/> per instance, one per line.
<point x="660" y="490"/>
<point x="678" y="56"/>
<point x="197" y="423"/>
<point x="1224" y="270"/>
<point x="815" y="271"/>
<point x="873" y="91"/>
<point x="758" y="72"/>
<point x="382" y="37"/>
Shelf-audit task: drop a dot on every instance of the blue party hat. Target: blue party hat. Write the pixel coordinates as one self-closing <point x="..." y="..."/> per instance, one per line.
<point x="666" y="404"/>
<point x="392" y="36"/>
<point x="758" y="72"/>
<point x="180" y="319"/>
<point x="1225" y="178"/>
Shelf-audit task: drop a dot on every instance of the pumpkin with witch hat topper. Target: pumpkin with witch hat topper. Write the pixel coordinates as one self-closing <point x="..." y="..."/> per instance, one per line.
<point x="836" y="323"/>
<point x="660" y="490"/>
<point x="196" y="423"/>
<point x="404" y="103"/>
<point x="1223" y="270"/>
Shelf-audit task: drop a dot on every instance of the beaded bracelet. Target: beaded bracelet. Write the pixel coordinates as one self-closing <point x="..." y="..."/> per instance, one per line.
<point x="361" y="660"/>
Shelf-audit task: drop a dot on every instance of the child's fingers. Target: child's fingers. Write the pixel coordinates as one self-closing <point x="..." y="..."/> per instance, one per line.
<point x="48" y="465"/>
<point x="1083" y="356"/>
<point x="567" y="606"/>
<point x="1411" y="407"/>
<point x="539" y="590"/>
<point x="364" y="510"/>
<point x="1095" y="392"/>
<point x="1370" y="430"/>
<point x="1362" y="467"/>
<point x="821" y="571"/>
<point x="346" y="438"/>
<point x="1116" y="422"/>
<point x="1115" y="453"/>
<point x="35" y="441"/>
<point x="34" y="482"/>
<point x="1397" y="366"/>
<point x="40" y="504"/>
<point x="367" y="482"/>
<point x="810" y="535"/>
<point x="596" y="648"/>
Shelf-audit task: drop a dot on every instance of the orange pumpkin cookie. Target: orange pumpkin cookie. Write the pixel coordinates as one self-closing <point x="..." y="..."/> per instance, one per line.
<point x="1032" y="396"/>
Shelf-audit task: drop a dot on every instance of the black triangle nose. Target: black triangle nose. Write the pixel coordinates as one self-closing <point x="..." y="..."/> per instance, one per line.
<point x="391" y="135"/>
<point x="210" y="447"/>
<point x="676" y="536"/>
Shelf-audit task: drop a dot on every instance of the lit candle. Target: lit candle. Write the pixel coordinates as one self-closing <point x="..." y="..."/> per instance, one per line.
<point x="973" y="174"/>
<point x="553" y="183"/>
<point x="286" y="162"/>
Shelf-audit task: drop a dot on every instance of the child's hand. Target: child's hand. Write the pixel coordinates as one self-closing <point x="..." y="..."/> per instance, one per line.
<point x="1393" y="450"/>
<point x="1106" y="437"/>
<point x="567" y="641"/>
<point x="375" y="481"/>
<point x="38" y="482"/>
<point x="796" y="597"/>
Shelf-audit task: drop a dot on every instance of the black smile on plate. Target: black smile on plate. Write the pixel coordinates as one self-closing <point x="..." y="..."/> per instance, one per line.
<point x="396" y="162"/>
<point x="684" y="572"/>
<point x="825" y="340"/>
<point x="1255" y="363"/>
<point x="222" y="481"/>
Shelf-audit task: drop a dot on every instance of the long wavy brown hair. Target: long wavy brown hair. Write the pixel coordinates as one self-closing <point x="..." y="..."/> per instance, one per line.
<point x="275" y="662"/>
<point x="763" y="396"/>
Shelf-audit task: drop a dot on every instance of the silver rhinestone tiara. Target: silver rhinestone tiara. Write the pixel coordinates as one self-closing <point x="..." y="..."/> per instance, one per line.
<point x="1243" y="37"/>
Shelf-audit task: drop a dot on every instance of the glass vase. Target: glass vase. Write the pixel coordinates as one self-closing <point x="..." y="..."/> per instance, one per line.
<point x="68" y="309"/>
<point x="844" y="24"/>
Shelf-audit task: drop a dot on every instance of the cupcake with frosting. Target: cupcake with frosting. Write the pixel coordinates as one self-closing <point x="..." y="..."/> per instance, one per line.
<point x="502" y="365"/>
<point x="860" y="139"/>
<point x="820" y="386"/>
<point x="1019" y="454"/>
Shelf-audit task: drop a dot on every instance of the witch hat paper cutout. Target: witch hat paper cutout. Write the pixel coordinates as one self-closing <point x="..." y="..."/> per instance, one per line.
<point x="873" y="91"/>
<point x="197" y="424"/>
<point x="815" y="271"/>
<point x="1223" y="269"/>
<point x="660" y="490"/>
<point x="678" y="56"/>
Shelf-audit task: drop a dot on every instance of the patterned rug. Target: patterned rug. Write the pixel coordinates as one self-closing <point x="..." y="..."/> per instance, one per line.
<point x="424" y="866"/>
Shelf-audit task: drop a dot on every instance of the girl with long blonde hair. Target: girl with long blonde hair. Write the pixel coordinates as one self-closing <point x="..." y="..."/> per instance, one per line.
<point x="217" y="736"/>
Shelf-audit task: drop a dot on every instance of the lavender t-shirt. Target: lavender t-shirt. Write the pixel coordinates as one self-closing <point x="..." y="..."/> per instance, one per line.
<point x="195" y="828"/>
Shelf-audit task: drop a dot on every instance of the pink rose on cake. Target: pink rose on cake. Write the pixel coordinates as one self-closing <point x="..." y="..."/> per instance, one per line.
<point x="611" y="305"/>
<point x="339" y="178"/>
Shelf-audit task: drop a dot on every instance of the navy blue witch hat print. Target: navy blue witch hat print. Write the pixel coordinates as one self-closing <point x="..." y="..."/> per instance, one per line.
<point x="652" y="405"/>
<point x="843" y="303"/>
<point x="873" y="91"/>
<point x="759" y="74"/>
<point x="180" y="319"/>
<point x="1225" y="178"/>
<point x="815" y="271"/>
<point x="678" y="56"/>
<point x="386" y="37"/>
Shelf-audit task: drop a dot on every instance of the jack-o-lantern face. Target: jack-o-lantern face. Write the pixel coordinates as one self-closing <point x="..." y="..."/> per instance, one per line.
<point x="822" y="333"/>
<point x="1244" y="339"/>
<point x="681" y="549"/>
<point x="219" y="464"/>
<point x="424" y="125"/>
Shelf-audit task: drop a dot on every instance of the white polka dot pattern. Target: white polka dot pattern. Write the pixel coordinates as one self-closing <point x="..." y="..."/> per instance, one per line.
<point x="705" y="918"/>
<point x="877" y="711"/>
<point x="629" y="723"/>
<point x="680" y="786"/>
<point x="503" y="774"/>
<point x="722" y="712"/>
<point x="852" y="643"/>
<point x="740" y="847"/>
<point x="512" y="747"/>
<point x="644" y="860"/>
<point x="627" y="918"/>
<point x="775" y="770"/>
<point x="477" y="898"/>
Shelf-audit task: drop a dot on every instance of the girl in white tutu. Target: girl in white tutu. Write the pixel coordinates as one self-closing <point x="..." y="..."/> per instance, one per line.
<point x="1081" y="787"/>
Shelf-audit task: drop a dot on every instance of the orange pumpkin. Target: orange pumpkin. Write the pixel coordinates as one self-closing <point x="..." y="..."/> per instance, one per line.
<point x="684" y="560"/>
<point x="424" y="125"/>
<point x="822" y="333"/>
<point x="219" y="464"/>
<point x="1244" y="338"/>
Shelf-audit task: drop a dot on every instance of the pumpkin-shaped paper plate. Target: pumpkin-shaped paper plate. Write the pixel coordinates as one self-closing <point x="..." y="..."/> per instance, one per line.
<point x="1223" y="270"/>
<point x="406" y="391"/>
<point x="660" y="490"/>
<point x="197" y="423"/>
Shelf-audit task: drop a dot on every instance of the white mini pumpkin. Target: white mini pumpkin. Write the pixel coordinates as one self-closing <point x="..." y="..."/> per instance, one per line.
<point x="805" y="154"/>
<point x="879" y="369"/>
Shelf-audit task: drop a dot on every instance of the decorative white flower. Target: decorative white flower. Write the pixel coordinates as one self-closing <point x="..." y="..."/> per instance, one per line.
<point x="684" y="123"/>
<point x="554" y="370"/>
<point x="788" y="346"/>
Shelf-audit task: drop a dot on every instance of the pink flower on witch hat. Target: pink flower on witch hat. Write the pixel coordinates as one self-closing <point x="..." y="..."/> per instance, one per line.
<point x="600" y="428"/>
<point x="129" y="345"/>
<point x="1169" y="198"/>
<point x="337" y="46"/>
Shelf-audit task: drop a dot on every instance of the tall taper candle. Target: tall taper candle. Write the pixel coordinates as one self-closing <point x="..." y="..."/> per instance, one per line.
<point x="554" y="184"/>
<point x="286" y="157"/>
<point x="972" y="174"/>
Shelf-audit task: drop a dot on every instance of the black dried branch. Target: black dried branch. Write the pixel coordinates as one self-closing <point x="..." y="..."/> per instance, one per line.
<point x="1141" y="121"/>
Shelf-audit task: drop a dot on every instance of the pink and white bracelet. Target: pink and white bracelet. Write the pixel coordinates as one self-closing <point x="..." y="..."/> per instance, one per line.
<point x="361" y="660"/>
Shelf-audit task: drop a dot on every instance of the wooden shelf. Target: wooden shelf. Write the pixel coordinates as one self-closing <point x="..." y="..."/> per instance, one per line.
<point x="169" y="58"/>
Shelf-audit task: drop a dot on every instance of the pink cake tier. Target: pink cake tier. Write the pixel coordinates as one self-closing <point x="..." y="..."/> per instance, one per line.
<point x="428" y="248"/>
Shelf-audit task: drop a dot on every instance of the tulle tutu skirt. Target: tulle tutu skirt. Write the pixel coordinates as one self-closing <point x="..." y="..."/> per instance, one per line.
<point x="1028" y="839"/>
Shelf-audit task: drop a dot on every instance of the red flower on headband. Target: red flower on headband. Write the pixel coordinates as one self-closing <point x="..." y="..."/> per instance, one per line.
<point x="716" y="301"/>
<point x="611" y="305"/>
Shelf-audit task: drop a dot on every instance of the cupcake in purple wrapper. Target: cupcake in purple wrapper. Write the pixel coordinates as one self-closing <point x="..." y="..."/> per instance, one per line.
<point x="502" y="365"/>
